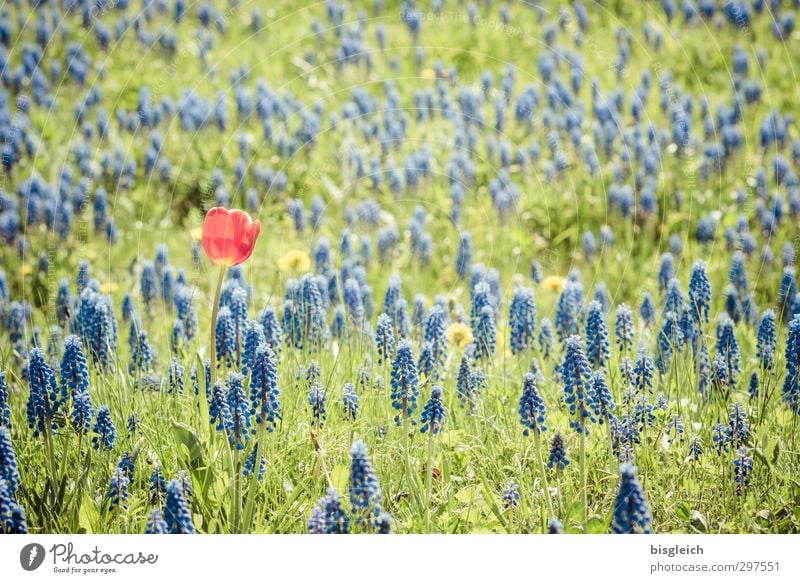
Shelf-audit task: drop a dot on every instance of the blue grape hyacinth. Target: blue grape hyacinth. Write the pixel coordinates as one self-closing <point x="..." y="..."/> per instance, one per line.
<point x="239" y="425"/>
<point x="597" y="346"/>
<point x="225" y="338"/>
<point x="156" y="523"/>
<point x="522" y="320"/>
<point x="250" y="464"/>
<point x="435" y="338"/>
<point x="45" y="399"/>
<point x="623" y="327"/>
<point x="176" y="510"/>
<point x="350" y="402"/>
<point x="118" y="488"/>
<point x="127" y="463"/>
<point x="699" y="292"/>
<point x="766" y="342"/>
<point x="405" y="383"/>
<point x="9" y="470"/>
<point x="253" y="338"/>
<point x="695" y="449"/>
<point x="158" y="485"/>
<point x="106" y="433"/>
<point x="328" y="516"/>
<point x="728" y="349"/>
<point x="219" y="411"/>
<point x="631" y="514"/>
<point x="176" y="374"/>
<point x="264" y="391"/>
<point x="365" y="491"/>
<point x="485" y="334"/>
<point x="568" y="312"/>
<point x="12" y="514"/>
<point x="531" y="407"/>
<point x="317" y="400"/>
<point x="790" y="394"/>
<point x="74" y="370"/>
<point x="578" y="386"/>
<point x="433" y="413"/>
<point x="148" y="284"/>
<point x="647" y="310"/>
<point x="738" y="431"/>
<point x="511" y="495"/>
<point x="384" y="338"/>
<point x="604" y="400"/>
<point x="545" y="337"/>
<point x="5" y="409"/>
<point x="643" y="370"/>
<point x="558" y="455"/>
<point x="464" y="255"/>
<point x="466" y="385"/>
<point x="742" y="468"/>
<point x="554" y="526"/>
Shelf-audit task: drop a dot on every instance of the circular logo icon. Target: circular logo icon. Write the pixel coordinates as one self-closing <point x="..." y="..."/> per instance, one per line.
<point x="31" y="556"/>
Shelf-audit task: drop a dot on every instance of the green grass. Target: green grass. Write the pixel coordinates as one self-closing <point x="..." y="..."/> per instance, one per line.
<point x="476" y="454"/>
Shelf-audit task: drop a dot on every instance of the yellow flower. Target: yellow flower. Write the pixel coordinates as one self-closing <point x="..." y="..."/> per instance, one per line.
<point x="26" y="269"/>
<point x="296" y="261"/>
<point x="108" y="287"/>
<point x="553" y="283"/>
<point x="197" y="234"/>
<point x="459" y="334"/>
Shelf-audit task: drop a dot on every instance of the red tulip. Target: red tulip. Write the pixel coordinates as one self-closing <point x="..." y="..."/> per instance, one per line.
<point x="229" y="236"/>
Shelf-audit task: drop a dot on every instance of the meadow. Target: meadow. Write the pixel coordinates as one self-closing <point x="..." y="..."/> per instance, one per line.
<point x="522" y="267"/>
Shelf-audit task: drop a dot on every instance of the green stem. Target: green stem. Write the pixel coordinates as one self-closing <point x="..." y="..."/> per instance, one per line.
<point x="214" y="313"/>
<point x="413" y="484"/>
<point x="584" y="496"/>
<point x="558" y="489"/>
<point x="538" y="439"/>
<point x="611" y="468"/>
<point x="429" y="484"/>
<point x="252" y="486"/>
<point x="237" y="491"/>
<point x="48" y="440"/>
<point x="318" y="451"/>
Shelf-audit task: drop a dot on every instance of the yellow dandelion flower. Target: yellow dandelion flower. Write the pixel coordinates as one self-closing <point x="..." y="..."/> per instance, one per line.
<point x="553" y="283"/>
<point x="294" y="261"/>
<point x="26" y="269"/>
<point x="108" y="287"/>
<point x="459" y="334"/>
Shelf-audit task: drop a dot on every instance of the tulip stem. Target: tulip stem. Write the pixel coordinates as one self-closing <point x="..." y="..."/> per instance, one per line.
<point x="213" y="334"/>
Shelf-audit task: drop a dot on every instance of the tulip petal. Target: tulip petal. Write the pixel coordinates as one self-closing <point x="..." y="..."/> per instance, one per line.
<point x="229" y="236"/>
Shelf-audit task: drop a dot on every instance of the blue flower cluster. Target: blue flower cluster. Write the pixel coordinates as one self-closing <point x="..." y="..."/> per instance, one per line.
<point x="433" y="413"/>
<point x="631" y="514"/>
<point x="578" y="386"/>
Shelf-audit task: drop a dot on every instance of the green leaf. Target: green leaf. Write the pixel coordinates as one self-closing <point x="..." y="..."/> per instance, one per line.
<point x="759" y="453"/>
<point x="88" y="515"/>
<point x="597" y="525"/>
<point x="451" y="438"/>
<point x="491" y="500"/>
<point x="340" y="476"/>
<point x="467" y="495"/>
<point x="682" y="510"/>
<point x="775" y="452"/>
<point x="699" y="522"/>
<point x="184" y="436"/>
